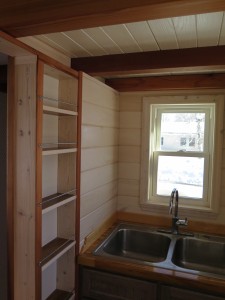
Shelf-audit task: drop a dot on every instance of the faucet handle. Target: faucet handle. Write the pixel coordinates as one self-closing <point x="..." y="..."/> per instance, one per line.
<point x="182" y="222"/>
<point x="171" y="206"/>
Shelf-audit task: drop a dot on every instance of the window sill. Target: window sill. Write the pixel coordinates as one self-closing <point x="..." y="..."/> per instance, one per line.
<point x="189" y="212"/>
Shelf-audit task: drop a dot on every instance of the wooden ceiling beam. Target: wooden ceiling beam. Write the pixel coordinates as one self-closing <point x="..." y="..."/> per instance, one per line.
<point x="166" y="83"/>
<point x="191" y="59"/>
<point x="25" y="17"/>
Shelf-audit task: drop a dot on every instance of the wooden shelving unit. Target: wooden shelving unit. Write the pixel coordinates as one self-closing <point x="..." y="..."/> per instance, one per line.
<point x="58" y="172"/>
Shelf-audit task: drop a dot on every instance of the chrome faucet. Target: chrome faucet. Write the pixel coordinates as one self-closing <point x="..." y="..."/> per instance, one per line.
<point x="176" y="221"/>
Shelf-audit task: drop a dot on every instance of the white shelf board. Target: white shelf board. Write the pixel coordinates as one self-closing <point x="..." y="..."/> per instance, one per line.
<point x="70" y="199"/>
<point x="56" y="257"/>
<point x="58" y="111"/>
<point x="58" y="151"/>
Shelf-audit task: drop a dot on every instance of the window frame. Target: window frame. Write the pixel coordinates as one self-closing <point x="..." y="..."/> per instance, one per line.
<point x="150" y="203"/>
<point x="156" y="111"/>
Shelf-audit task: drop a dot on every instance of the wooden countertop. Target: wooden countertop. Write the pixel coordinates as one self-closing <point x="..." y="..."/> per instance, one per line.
<point x="151" y="273"/>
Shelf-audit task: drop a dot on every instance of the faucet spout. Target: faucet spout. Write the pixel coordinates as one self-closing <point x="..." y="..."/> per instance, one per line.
<point x="176" y="204"/>
<point x="176" y="221"/>
<point x="171" y="201"/>
<point x="174" y="194"/>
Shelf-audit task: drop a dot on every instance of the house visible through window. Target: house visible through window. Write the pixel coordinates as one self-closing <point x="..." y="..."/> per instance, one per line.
<point x="183" y="141"/>
<point x="178" y="152"/>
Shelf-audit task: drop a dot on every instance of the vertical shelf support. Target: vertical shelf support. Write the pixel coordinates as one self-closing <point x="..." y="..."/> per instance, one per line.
<point x="78" y="180"/>
<point x="39" y="128"/>
<point x="24" y="172"/>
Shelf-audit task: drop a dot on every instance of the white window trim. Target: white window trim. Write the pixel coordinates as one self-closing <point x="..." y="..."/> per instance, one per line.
<point x="212" y="209"/>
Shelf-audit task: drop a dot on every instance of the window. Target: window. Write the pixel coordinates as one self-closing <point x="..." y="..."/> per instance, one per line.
<point x="179" y="162"/>
<point x="178" y="151"/>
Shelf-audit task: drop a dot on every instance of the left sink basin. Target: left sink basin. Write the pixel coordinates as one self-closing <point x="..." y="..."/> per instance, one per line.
<point x="134" y="243"/>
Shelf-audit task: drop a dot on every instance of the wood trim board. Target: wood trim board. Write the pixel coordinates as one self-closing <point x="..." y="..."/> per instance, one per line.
<point x="38" y="17"/>
<point x="169" y="82"/>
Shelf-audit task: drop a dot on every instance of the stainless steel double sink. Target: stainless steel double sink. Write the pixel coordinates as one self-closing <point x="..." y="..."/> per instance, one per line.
<point x="193" y="253"/>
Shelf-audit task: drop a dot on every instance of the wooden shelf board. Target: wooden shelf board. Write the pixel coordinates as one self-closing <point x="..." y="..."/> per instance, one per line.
<point x="53" y="250"/>
<point x="60" y="295"/>
<point x="58" y="111"/>
<point x="55" y="150"/>
<point x="56" y="200"/>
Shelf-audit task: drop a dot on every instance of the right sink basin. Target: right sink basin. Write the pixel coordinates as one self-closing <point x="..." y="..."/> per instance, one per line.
<point x="201" y="254"/>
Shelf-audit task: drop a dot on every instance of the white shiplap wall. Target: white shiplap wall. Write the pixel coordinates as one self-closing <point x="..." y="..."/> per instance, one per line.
<point x="99" y="155"/>
<point x="130" y="157"/>
<point x="129" y="153"/>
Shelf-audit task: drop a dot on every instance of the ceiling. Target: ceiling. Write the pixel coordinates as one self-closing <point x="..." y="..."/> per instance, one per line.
<point x="193" y="31"/>
<point x="113" y="43"/>
<point x="154" y="36"/>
